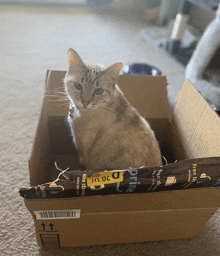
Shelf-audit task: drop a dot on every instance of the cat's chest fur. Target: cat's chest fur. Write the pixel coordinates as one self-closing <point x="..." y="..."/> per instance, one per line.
<point x="89" y="129"/>
<point x="104" y="142"/>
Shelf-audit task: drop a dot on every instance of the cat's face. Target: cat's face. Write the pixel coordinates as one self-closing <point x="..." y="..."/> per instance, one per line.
<point x="90" y="86"/>
<point x="87" y="91"/>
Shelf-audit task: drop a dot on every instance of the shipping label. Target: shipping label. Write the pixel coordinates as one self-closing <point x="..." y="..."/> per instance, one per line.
<point x="57" y="214"/>
<point x="102" y="178"/>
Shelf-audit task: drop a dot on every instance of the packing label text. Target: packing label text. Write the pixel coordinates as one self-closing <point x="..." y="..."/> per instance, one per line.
<point x="101" y="178"/>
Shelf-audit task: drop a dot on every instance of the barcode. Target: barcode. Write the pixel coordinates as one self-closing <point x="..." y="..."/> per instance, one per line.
<point x="56" y="214"/>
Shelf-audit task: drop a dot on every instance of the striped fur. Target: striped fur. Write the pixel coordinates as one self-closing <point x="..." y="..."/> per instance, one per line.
<point x="108" y="132"/>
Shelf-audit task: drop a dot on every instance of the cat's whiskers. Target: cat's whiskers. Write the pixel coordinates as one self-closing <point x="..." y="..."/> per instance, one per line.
<point x="59" y="100"/>
<point x="56" y="90"/>
<point x="58" y="97"/>
<point x="57" y="94"/>
<point x="64" y="101"/>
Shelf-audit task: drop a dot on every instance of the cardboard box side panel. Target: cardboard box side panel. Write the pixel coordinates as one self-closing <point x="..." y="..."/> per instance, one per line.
<point x="58" y="100"/>
<point x="194" y="126"/>
<point x="176" y="199"/>
<point x="206" y="140"/>
<point x="160" y="128"/>
<point x="60" y="136"/>
<point x="147" y="94"/>
<point x="41" y="147"/>
<point x="176" y="143"/>
<point x="126" y="227"/>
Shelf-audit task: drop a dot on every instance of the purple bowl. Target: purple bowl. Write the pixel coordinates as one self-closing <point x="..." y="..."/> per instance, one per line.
<point x="141" y="69"/>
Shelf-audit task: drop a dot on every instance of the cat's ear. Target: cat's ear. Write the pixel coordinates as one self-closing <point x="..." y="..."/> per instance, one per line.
<point x="112" y="72"/>
<point x="75" y="62"/>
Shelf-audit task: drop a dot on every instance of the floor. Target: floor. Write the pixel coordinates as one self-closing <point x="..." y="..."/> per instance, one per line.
<point x="34" y="39"/>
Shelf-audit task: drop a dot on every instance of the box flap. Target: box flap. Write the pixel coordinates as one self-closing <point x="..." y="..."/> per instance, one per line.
<point x="152" y="102"/>
<point x="195" y="126"/>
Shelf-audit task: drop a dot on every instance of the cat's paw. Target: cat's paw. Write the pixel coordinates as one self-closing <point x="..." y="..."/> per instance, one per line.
<point x="71" y="111"/>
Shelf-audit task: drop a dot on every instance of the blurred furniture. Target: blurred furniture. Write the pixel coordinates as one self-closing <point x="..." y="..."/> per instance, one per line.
<point x="160" y="10"/>
<point x="203" y="69"/>
<point x="168" y="10"/>
<point x="174" y="44"/>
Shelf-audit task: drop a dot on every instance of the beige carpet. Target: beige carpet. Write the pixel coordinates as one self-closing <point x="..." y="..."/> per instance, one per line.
<point x="34" y="39"/>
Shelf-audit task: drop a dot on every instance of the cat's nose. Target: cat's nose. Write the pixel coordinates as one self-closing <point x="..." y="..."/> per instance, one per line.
<point x="85" y="103"/>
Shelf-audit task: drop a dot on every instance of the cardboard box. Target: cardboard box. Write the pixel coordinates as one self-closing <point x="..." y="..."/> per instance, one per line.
<point x="192" y="132"/>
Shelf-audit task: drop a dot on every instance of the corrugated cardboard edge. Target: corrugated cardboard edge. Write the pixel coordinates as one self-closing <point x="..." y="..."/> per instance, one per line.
<point x="195" y="127"/>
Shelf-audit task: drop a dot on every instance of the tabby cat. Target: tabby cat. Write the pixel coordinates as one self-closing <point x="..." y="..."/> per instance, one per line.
<point x="108" y="132"/>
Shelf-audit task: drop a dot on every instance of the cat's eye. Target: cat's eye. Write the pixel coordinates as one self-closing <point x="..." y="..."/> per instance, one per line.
<point x="98" y="91"/>
<point x="78" y="86"/>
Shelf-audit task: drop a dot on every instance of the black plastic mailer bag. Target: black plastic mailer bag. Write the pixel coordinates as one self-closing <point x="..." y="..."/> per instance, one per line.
<point x="186" y="174"/>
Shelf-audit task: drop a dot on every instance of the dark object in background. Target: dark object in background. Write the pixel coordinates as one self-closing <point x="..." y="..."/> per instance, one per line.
<point x="182" y="54"/>
<point x="217" y="110"/>
<point x="173" y="47"/>
<point x="141" y="69"/>
<point x="208" y="5"/>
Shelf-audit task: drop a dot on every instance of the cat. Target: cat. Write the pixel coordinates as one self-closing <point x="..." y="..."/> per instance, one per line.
<point x="108" y="132"/>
